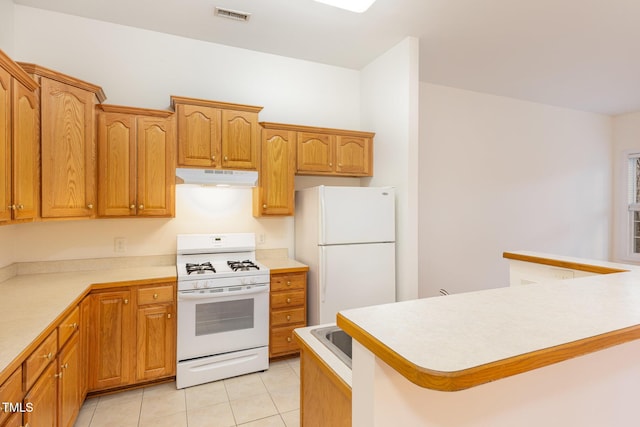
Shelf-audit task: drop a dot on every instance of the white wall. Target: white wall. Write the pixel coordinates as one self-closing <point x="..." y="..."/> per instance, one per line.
<point x="6" y="26"/>
<point x="626" y="138"/>
<point x="502" y="174"/>
<point x="143" y="68"/>
<point x="390" y="109"/>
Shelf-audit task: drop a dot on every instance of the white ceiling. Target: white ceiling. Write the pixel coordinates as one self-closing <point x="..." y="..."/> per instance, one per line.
<point x="581" y="54"/>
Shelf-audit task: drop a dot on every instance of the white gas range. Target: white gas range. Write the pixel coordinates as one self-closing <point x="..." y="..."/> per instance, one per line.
<point x="223" y="308"/>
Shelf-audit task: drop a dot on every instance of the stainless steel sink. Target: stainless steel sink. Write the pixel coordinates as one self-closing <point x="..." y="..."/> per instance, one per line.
<point x="336" y="340"/>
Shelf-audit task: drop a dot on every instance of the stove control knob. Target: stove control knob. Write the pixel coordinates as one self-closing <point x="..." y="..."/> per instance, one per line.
<point x="196" y="284"/>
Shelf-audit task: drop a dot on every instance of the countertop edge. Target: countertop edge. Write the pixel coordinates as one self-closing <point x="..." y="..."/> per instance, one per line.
<point x="600" y="268"/>
<point x="467" y="378"/>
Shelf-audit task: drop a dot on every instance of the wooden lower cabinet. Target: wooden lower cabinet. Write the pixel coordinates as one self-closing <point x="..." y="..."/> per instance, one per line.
<point x="43" y="400"/>
<point x="133" y="337"/>
<point x="111" y="340"/>
<point x="70" y="395"/>
<point x="288" y="310"/>
<point x="11" y="394"/>
<point x="325" y="400"/>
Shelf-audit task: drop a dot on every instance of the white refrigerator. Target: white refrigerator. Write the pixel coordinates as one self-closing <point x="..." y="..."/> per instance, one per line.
<point x="346" y="235"/>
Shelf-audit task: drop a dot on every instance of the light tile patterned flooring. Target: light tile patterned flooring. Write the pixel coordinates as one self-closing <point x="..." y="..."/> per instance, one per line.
<point x="262" y="399"/>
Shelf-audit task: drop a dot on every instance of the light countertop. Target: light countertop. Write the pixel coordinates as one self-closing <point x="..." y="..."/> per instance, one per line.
<point x="458" y="341"/>
<point x="278" y="259"/>
<point x="30" y="303"/>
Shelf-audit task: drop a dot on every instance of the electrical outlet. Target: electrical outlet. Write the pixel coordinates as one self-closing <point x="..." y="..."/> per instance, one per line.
<point x="261" y="239"/>
<point x="120" y="244"/>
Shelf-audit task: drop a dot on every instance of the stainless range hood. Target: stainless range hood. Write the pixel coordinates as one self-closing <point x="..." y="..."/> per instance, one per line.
<point x="217" y="177"/>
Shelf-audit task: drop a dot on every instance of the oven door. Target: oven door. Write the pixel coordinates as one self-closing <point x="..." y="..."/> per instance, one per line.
<point x="215" y="321"/>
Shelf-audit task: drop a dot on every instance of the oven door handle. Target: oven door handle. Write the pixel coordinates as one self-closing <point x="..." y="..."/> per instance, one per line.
<point x="213" y="295"/>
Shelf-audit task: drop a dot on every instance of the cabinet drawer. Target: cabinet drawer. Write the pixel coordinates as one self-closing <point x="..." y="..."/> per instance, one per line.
<point x="156" y="295"/>
<point x="281" y="341"/>
<point x="68" y="326"/>
<point x="287" y="299"/>
<point x="293" y="281"/>
<point x="288" y="317"/>
<point x="11" y="392"/>
<point x="39" y="359"/>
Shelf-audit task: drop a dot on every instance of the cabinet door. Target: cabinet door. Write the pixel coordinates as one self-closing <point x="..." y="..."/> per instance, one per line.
<point x="11" y="393"/>
<point x="315" y="153"/>
<point x="240" y="139"/>
<point x="112" y="341"/>
<point x="68" y="150"/>
<point x="156" y="167"/>
<point x="69" y="385"/>
<point x="43" y="399"/>
<point x="156" y="336"/>
<point x="198" y="135"/>
<point x="26" y="145"/>
<point x="277" y="172"/>
<point x="116" y="164"/>
<point x="353" y="156"/>
<point x="85" y="319"/>
<point x="5" y="146"/>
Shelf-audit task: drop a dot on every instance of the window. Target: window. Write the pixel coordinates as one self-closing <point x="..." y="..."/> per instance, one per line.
<point x="633" y="202"/>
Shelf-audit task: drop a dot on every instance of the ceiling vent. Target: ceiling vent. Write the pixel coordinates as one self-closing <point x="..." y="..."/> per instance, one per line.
<point x="232" y="14"/>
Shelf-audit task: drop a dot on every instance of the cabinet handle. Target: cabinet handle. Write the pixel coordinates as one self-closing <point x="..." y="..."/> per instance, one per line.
<point x="58" y="375"/>
<point x="90" y="206"/>
<point x="126" y="301"/>
<point x="288" y="300"/>
<point x="48" y="356"/>
<point x="132" y="207"/>
<point x="141" y="207"/>
<point x="288" y="339"/>
<point x="65" y="366"/>
<point x="155" y="296"/>
<point x="288" y="317"/>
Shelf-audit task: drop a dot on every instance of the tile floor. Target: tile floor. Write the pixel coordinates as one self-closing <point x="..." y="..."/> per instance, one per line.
<point x="262" y="399"/>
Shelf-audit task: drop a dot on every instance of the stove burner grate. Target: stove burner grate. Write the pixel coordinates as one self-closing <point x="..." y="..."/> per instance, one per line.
<point x="199" y="268"/>
<point x="242" y="265"/>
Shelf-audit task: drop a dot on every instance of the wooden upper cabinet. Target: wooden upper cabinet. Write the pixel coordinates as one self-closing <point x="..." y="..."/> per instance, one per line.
<point x="274" y="193"/>
<point x="68" y="145"/>
<point x="315" y="152"/>
<point x="19" y="144"/>
<point x="323" y="151"/>
<point x="217" y="135"/>
<point x="353" y="155"/>
<point x="136" y="162"/>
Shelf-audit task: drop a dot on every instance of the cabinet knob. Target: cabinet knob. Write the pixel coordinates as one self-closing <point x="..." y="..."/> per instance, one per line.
<point x="11" y="207"/>
<point x="59" y="375"/>
<point x="65" y="366"/>
<point x="132" y="207"/>
<point x="288" y="339"/>
<point x="264" y="206"/>
<point x="90" y="206"/>
<point x="126" y="301"/>
<point x="288" y="282"/>
<point x="225" y="158"/>
<point x="339" y="165"/>
<point x="20" y="207"/>
<point x="330" y="164"/>
<point x="288" y="317"/>
<point x="288" y="300"/>
<point x="155" y="296"/>
<point x="213" y="157"/>
<point x="48" y="356"/>
<point x="141" y="207"/>
<point x="168" y="315"/>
